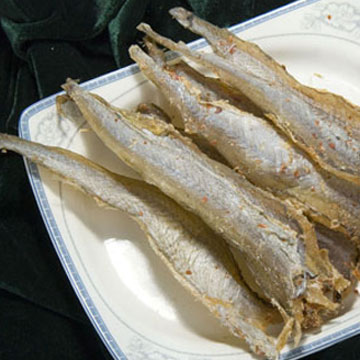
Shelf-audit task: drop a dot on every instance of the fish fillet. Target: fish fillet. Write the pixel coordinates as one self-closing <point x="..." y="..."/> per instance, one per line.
<point x="250" y="144"/>
<point x="343" y="252"/>
<point x="284" y="258"/>
<point x="324" y="125"/>
<point x="198" y="258"/>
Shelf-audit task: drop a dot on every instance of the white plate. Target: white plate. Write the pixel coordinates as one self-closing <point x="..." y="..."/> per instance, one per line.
<point x="138" y="309"/>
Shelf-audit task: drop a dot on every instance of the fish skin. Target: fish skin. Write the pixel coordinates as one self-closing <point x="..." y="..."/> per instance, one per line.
<point x="212" y="89"/>
<point x="150" y="110"/>
<point x="227" y="202"/>
<point x="324" y="125"/>
<point x="250" y="144"/>
<point x="209" y="88"/>
<point x="342" y="252"/>
<point x="198" y="258"/>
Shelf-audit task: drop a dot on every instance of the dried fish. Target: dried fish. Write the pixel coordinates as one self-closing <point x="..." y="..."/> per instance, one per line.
<point x="198" y="258"/>
<point x="208" y="88"/>
<point x="324" y="125"/>
<point x="251" y="145"/>
<point x="284" y="258"/>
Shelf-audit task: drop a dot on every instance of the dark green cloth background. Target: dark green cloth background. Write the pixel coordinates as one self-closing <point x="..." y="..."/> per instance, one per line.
<point x="42" y="43"/>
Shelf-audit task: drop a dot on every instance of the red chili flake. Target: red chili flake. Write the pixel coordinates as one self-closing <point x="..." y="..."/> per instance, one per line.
<point x="317" y="122"/>
<point x="356" y="273"/>
<point x="232" y="49"/>
<point x="296" y="173"/>
<point x="213" y="142"/>
<point x="329" y="17"/>
<point x="188" y="272"/>
<point x="263" y="226"/>
<point x="332" y="145"/>
<point x="218" y="110"/>
<point x="174" y="76"/>
<point x="141" y="213"/>
<point x="314" y="135"/>
<point x="283" y="167"/>
<point x="204" y="199"/>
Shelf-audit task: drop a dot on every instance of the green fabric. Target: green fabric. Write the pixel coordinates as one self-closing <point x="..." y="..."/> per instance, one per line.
<point x="41" y="44"/>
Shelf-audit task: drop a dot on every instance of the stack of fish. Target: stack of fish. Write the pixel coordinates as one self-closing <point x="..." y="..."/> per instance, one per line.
<point x="253" y="204"/>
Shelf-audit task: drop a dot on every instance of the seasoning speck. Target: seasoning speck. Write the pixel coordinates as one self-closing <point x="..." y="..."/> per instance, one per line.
<point x="204" y="199"/>
<point x="283" y="168"/>
<point x="263" y="226"/>
<point x="141" y="213"/>
<point x="188" y="272"/>
<point x="232" y="49"/>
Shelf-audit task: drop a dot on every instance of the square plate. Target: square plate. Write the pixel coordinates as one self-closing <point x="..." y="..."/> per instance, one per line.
<point x="138" y="309"/>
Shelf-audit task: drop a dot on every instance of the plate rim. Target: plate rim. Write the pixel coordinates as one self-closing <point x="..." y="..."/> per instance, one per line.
<point x="72" y="273"/>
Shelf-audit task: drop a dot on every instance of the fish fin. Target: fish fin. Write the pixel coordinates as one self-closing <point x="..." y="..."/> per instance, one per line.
<point x="288" y="326"/>
<point x="59" y="102"/>
<point x="154" y="51"/>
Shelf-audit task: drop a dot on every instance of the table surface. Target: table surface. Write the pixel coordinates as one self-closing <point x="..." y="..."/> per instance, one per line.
<point x="41" y="44"/>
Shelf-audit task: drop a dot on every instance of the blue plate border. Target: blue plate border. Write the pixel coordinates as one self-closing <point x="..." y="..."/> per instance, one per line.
<point x="59" y="244"/>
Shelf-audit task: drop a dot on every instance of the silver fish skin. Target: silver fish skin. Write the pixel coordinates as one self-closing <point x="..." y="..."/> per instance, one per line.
<point x="212" y="89"/>
<point x="324" y="125"/>
<point x="227" y="202"/>
<point x="198" y="258"/>
<point x="343" y="252"/>
<point x="152" y="110"/>
<point x="251" y="145"/>
<point x="208" y="88"/>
